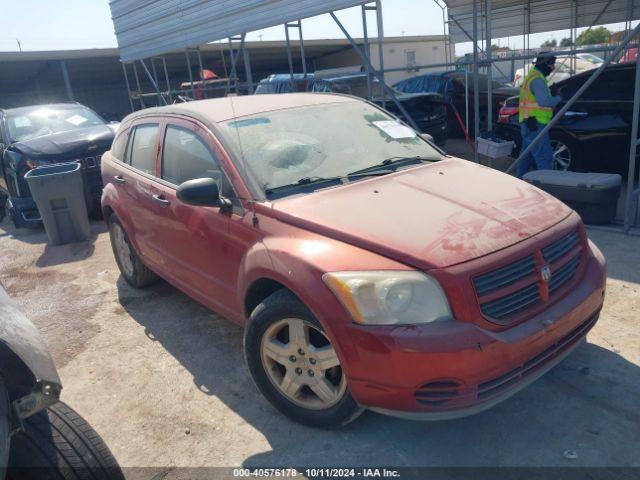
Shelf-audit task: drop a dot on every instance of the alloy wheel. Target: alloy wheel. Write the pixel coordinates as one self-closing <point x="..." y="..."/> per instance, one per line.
<point x="122" y="249"/>
<point x="301" y="363"/>
<point x="561" y="155"/>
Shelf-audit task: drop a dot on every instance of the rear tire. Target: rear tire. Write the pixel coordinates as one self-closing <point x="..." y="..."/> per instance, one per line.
<point x="59" y="444"/>
<point x="131" y="267"/>
<point x="300" y="406"/>
<point x="566" y="153"/>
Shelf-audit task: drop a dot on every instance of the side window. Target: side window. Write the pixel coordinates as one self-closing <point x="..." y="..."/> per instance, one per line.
<point x="119" y="144"/>
<point x="141" y="152"/>
<point x="186" y="157"/>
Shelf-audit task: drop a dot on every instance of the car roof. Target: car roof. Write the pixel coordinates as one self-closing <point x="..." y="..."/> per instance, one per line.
<point x="216" y="110"/>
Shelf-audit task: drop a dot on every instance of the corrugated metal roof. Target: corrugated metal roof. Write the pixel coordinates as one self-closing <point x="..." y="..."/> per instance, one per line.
<point x="510" y="18"/>
<point x="145" y="28"/>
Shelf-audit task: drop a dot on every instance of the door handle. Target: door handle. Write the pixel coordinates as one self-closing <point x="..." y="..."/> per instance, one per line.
<point x="119" y="179"/>
<point x="162" y="201"/>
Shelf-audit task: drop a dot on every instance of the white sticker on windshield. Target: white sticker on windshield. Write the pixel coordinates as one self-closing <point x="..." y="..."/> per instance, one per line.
<point x="76" y="120"/>
<point x="22" y="122"/>
<point x="394" y="129"/>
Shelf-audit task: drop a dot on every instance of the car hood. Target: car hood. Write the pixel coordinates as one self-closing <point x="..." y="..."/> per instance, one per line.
<point x="72" y="144"/>
<point x="432" y="216"/>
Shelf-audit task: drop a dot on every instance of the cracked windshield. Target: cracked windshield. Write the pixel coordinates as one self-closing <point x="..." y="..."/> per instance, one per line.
<point x="284" y="147"/>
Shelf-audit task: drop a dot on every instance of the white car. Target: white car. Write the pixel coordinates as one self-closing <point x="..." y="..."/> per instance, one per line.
<point x="584" y="62"/>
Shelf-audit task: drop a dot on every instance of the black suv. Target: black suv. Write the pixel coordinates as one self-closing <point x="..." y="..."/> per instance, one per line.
<point x="45" y="134"/>
<point x="595" y="134"/>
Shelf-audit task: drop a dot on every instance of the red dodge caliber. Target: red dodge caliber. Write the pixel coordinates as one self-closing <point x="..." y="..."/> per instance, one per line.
<point x="369" y="269"/>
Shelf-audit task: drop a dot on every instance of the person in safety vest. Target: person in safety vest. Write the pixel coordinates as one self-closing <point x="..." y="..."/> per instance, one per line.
<point x="536" y="111"/>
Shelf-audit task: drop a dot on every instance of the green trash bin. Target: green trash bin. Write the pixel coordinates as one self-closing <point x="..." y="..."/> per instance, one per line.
<point x="58" y="191"/>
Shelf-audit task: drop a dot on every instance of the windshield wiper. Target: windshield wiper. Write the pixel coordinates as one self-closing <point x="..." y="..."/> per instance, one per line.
<point x="303" y="182"/>
<point x="391" y="161"/>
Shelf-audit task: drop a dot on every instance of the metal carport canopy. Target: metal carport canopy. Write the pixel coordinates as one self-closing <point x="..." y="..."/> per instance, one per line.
<point x="145" y="28"/>
<point x="510" y="18"/>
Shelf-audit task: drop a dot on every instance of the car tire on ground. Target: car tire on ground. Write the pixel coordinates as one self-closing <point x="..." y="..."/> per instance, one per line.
<point x="57" y="443"/>
<point x="286" y="352"/>
<point x="566" y="152"/>
<point x="131" y="267"/>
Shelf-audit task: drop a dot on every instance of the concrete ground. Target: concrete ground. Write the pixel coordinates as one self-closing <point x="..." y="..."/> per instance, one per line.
<point x="163" y="380"/>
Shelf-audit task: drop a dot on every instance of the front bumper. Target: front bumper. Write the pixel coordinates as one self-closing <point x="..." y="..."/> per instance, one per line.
<point x="454" y="369"/>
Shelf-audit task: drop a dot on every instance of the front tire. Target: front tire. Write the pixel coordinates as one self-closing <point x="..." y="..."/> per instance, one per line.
<point x="59" y="444"/>
<point x="294" y="365"/>
<point x="131" y="267"/>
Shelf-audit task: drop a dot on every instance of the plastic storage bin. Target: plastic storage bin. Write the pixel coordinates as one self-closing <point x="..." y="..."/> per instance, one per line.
<point x="494" y="147"/>
<point x="58" y="191"/>
<point x="593" y="195"/>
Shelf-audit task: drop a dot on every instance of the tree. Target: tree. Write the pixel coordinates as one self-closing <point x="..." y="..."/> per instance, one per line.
<point x="594" y="36"/>
<point x="565" y="42"/>
<point x="549" y="44"/>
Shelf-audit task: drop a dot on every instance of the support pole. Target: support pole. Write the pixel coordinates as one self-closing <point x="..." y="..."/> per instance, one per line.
<point x="378" y="74"/>
<point x="367" y="48"/>
<point x="380" y="24"/>
<point x="489" y="51"/>
<point x="202" y="84"/>
<point x="302" y="55"/>
<point x="631" y="203"/>
<point x="155" y="79"/>
<point x="289" y="56"/>
<point x="153" y="82"/>
<point x="166" y="78"/>
<point x="234" y="62"/>
<point x="67" y="82"/>
<point x="193" y="89"/>
<point x="592" y="78"/>
<point x="476" y="82"/>
<point x="466" y="97"/>
<point x="126" y="81"/>
<point x="247" y="67"/>
<point x="135" y="74"/>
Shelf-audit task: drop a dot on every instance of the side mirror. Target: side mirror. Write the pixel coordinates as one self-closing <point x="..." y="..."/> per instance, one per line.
<point x="202" y="192"/>
<point x="426" y="137"/>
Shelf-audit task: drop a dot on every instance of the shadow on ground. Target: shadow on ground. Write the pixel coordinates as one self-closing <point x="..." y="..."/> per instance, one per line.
<point x="59" y="254"/>
<point x="587" y="404"/>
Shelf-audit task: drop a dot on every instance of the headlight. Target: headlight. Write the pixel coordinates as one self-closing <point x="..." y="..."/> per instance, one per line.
<point x="390" y="297"/>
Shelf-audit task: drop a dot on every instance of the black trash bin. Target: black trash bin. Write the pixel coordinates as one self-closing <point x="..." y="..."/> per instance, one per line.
<point x="58" y="191"/>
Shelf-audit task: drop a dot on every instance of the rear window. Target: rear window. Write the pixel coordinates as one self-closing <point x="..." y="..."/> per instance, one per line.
<point x="141" y="153"/>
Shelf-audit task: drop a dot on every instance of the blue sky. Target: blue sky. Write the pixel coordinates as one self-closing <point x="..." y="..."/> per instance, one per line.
<point x="46" y="25"/>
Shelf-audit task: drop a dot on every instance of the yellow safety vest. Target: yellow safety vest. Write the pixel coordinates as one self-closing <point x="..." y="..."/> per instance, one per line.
<point x="529" y="105"/>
